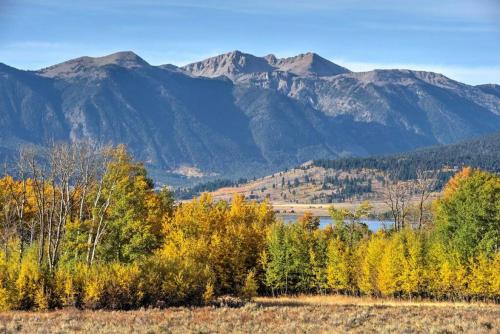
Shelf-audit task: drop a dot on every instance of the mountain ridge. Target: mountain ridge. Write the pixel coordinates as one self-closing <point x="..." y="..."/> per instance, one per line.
<point x="236" y="63"/>
<point x="80" y="65"/>
<point x="248" y="123"/>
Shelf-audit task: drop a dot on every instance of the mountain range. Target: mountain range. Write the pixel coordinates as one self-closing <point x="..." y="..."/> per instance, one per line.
<point x="237" y="114"/>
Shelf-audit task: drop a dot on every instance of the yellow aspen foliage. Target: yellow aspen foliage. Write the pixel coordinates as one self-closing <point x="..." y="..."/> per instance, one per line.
<point x="114" y="286"/>
<point x="369" y="253"/>
<point x="226" y="237"/>
<point x="338" y="268"/>
<point x="5" y="303"/>
<point x="71" y="282"/>
<point x="178" y="273"/>
<point x="41" y="300"/>
<point x="447" y="274"/>
<point x="65" y="287"/>
<point x="390" y="268"/>
<point x="123" y="287"/>
<point x="30" y="284"/>
<point x="6" y="289"/>
<point x="9" y="270"/>
<point x="413" y="279"/>
<point x="482" y="277"/>
<point x="94" y="290"/>
<point x="209" y="294"/>
<point x="249" y="289"/>
<point x="495" y="277"/>
<point x="454" y="183"/>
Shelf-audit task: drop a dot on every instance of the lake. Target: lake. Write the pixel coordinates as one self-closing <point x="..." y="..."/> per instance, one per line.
<point x="373" y="225"/>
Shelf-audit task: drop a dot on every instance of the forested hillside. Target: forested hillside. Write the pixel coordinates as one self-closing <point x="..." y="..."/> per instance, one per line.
<point x="339" y="180"/>
<point x="85" y="228"/>
<point x="482" y="153"/>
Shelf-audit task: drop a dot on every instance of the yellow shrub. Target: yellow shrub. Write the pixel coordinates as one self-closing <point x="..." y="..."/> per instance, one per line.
<point x="123" y="286"/>
<point x="41" y="300"/>
<point x="495" y="280"/>
<point x="6" y="290"/>
<point x="30" y="284"/>
<point x="249" y="289"/>
<point x="482" y="277"/>
<point x="5" y="304"/>
<point x="94" y="289"/>
<point x="113" y="286"/>
<point x="70" y="284"/>
<point x="208" y="295"/>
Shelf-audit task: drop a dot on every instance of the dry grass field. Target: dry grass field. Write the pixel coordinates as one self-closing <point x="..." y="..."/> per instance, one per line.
<point x="307" y="314"/>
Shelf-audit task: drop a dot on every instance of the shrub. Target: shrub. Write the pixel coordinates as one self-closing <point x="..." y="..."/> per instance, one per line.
<point x="249" y="289"/>
<point x="30" y="283"/>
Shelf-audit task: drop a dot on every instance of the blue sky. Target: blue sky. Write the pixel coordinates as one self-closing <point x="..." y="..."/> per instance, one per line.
<point x="460" y="38"/>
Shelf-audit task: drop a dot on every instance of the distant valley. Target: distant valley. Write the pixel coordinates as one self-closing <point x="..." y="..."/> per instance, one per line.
<point x="237" y="115"/>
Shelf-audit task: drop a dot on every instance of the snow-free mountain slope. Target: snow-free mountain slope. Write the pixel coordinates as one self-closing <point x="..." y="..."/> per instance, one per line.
<point x="237" y="114"/>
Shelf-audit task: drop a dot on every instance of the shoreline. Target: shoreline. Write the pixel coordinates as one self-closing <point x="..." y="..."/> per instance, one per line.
<point x="321" y="210"/>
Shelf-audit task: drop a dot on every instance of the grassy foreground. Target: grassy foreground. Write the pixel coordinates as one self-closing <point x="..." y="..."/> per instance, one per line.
<point x="306" y="314"/>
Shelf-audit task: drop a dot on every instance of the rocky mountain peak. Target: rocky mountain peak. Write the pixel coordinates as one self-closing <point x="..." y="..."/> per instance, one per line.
<point x="307" y="64"/>
<point x="229" y="64"/>
<point x="124" y="58"/>
<point x="85" y="65"/>
<point x="271" y="59"/>
<point x="491" y="89"/>
<point x="237" y="63"/>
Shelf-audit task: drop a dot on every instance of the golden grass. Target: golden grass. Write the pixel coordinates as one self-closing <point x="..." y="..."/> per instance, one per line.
<point x="303" y="314"/>
<point x="364" y="301"/>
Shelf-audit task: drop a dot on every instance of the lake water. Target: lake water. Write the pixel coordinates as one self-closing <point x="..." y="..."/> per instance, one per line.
<point x="373" y="225"/>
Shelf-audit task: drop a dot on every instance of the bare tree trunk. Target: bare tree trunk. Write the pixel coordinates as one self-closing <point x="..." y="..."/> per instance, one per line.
<point x="62" y="182"/>
<point x="397" y="196"/>
<point x="426" y="182"/>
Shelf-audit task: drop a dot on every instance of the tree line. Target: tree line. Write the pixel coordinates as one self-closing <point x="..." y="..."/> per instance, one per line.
<point x="83" y="226"/>
<point x="480" y="153"/>
<point x="456" y="256"/>
<point x="183" y="193"/>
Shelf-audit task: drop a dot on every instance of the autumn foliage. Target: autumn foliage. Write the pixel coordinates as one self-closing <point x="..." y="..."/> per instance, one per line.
<point x="86" y="228"/>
